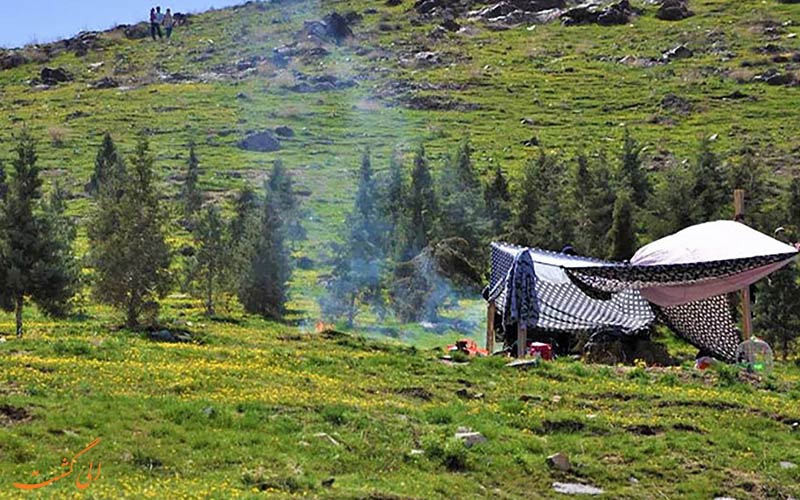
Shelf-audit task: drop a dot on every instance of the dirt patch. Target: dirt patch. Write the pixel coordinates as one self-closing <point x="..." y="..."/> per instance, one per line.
<point x="415" y="392"/>
<point x="562" y="426"/>
<point x="645" y="430"/>
<point x="12" y="415"/>
<point x="687" y="428"/>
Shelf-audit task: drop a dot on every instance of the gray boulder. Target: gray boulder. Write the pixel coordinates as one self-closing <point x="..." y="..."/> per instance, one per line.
<point x="262" y="142"/>
<point x="674" y="10"/>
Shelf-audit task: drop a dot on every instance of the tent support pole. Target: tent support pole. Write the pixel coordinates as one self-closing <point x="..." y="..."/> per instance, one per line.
<point x="738" y="209"/>
<point x="522" y="335"/>
<point x="490" y="312"/>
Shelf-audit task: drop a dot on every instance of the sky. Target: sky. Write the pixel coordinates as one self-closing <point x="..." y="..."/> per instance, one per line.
<point x="26" y="21"/>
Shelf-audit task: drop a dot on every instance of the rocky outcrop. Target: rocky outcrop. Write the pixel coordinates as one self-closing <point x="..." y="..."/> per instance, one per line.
<point x="674" y="10"/>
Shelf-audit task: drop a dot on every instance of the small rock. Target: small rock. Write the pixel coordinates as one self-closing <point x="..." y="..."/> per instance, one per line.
<point x="53" y="76"/>
<point x="328" y="482"/>
<point x="559" y="461"/>
<point x="263" y="142"/>
<point x="105" y="83"/>
<point x="576" y="489"/>
<point x="469" y="437"/>
<point x="209" y="411"/>
<point x="284" y="131"/>
<point x="678" y="52"/>
<point x="774" y="77"/>
<point x="674" y="10"/>
<point x="788" y="465"/>
<point x="416" y="452"/>
<point x="633" y="480"/>
<point x="530" y="397"/>
<point x="2" y="339"/>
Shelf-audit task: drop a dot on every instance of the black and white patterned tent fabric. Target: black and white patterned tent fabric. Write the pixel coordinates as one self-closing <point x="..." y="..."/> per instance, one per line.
<point x="530" y="286"/>
<point x="543" y="289"/>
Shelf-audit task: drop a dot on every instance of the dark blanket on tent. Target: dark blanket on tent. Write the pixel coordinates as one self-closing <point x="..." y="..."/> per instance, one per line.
<point x="708" y="324"/>
<point x="529" y="286"/>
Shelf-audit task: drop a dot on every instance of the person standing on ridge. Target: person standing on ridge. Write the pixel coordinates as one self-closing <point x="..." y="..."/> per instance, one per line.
<point x="155" y="22"/>
<point x="169" y="23"/>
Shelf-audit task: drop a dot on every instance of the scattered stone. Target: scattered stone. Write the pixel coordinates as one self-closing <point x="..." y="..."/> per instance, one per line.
<point x="525" y="398"/>
<point x="284" y="131"/>
<point x="11" y="59"/>
<point x="326" y="436"/>
<point x="467" y="394"/>
<point x="327" y="483"/>
<point x="593" y="13"/>
<point x="774" y="76"/>
<point x="469" y="437"/>
<point x="2" y="339"/>
<point x="209" y="411"/>
<point x="105" y="83"/>
<point x="262" y="142"/>
<point x="242" y="96"/>
<point x="135" y="31"/>
<point x="426" y="59"/>
<point x="54" y="76"/>
<point x="393" y="3"/>
<point x="416" y="452"/>
<point x="788" y="465"/>
<point x="576" y="489"/>
<point x="633" y="480"/>
<point x="672" y="102"/>
<point x="450" y="25"/>
<point x="678" y="52"/>
<point x="76" y="114"/>
<point x="169" y="336"/>
<point x="674" y="10"/>
<point x="532" y="142"/>
<point x="559" y="461"/>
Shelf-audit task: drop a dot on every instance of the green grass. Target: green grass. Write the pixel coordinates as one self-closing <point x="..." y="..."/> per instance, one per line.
<point x="259" y="406"/>
<point x="263" y="406"/>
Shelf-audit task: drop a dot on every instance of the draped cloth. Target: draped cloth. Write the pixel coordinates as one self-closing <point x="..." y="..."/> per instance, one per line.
<point x="684" y="278"/>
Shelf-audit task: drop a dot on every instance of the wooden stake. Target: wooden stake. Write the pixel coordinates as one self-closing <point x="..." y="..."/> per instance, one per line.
<point x="490" y="312"/>
<point x="738" y="210"/>
<point x="522" y="334"/>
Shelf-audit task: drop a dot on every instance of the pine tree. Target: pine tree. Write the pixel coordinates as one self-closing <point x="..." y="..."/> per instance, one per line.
<point x="392" y="196"/>
<point x="710" y="191"/>
<point x="542" y="214"/>
<point x="762" y="196"/>
<point x="497" y="199"/>
<point x="631" y="172"/>
<point x="777" y="311"/>
<point x="793" y="210"/>
<point x="35" y="261"/>
<point x="190" y="195"/>
<point x="281" y="187"/>
<point x="423" y="207"/>
<point x="130" y="255"/>
<point x="213" y="256"/>
<point x="462" y="208"/>
<point x="359" y="263"/>
<point x="673" y="205"/>
<point x="593" y="198"/>
<point x="3" y="183"/>
<point x="262" y="288"/>
<point x="622" y="236"/>
<point x="107" y="163"/>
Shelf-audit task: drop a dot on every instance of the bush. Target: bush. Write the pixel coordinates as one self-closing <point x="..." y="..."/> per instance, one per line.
<point x="450" y="452"/>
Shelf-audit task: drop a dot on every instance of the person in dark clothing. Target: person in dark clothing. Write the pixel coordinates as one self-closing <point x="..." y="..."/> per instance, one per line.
<point x="155" y="23"/>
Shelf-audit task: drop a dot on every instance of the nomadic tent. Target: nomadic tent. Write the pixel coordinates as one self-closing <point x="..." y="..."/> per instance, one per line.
<point x="682" y="280"/>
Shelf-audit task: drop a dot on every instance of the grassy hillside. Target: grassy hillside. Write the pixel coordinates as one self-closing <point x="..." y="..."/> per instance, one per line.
<point x="253" y="407"/>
